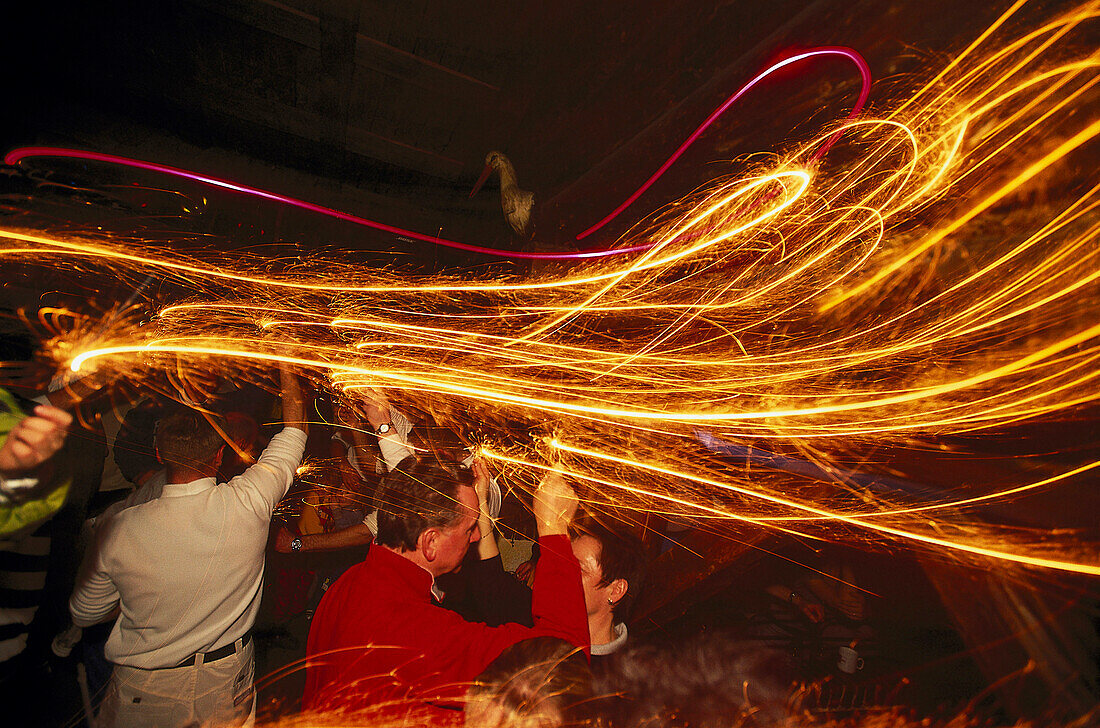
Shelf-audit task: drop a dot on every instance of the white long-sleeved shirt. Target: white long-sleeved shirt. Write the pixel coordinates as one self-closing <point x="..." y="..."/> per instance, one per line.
<point x="186" y="569"/>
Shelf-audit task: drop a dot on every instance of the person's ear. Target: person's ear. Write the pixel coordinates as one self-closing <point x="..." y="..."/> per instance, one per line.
<point x="427" y="544"/>
<point x="616" y="590"/>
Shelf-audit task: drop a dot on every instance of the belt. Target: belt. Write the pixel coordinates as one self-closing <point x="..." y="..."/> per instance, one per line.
<point x="217" y="654"/>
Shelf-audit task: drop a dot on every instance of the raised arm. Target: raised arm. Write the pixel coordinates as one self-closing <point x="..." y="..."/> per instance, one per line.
<point x="557" y="601"/>
<point x="392" y="429"/>
<point x="268" y="480"/>
<point x="294" y="401"/>
<point x="487" y="546"/>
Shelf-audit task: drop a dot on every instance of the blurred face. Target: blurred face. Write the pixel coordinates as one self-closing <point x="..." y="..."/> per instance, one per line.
<point x="587" y="550"/>
<point x="452" y="542"/>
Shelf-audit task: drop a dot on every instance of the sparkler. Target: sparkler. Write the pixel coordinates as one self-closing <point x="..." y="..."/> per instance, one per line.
<point x="823" y="306"/>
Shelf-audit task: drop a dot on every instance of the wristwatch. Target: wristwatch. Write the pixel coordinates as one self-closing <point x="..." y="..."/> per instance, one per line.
<point x="296" y="545"/>
<point x="384" y="428"/>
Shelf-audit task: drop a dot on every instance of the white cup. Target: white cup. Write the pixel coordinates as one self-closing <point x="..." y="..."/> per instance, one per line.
<point x="849" y="661"/>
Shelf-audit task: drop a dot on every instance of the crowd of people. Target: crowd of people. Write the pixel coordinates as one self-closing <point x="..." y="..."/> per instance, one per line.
<point x="448" y="606"/>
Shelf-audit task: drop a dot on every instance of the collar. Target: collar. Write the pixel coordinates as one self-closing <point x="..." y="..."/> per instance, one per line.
<point x="415" y="576"/>
<point x="174" y="490"/>
<point x="614" y="645"/>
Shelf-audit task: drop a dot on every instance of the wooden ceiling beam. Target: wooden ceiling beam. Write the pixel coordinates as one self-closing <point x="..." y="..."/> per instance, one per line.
<point x="304" y="28"/>
<point x="308" y="124"/>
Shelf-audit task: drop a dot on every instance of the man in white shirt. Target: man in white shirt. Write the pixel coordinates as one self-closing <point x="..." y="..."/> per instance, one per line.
<point x="185" y="573"/>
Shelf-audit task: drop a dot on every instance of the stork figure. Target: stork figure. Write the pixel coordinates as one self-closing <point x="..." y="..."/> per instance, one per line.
<point x="516" y="203"/>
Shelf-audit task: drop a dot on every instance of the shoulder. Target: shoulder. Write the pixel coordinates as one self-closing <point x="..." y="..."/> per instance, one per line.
<point x="362" y="582"/>
<point x="128" y="519"/>
<point x="363" y="603"/>
<point x="124" y="529"/>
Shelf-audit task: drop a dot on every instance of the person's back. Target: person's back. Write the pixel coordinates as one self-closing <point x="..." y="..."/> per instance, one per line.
<point x="379" y="642"/>
<point x="182" y="559"/>
<point x="400" y="647"/>
<point x="185" y="571"/>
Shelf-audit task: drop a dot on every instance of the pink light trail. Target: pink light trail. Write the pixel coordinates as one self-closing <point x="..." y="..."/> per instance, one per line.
<point x="16" y="156"/>
<point x="864" y="72"/>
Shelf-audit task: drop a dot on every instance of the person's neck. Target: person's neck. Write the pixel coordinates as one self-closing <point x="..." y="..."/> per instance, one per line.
<point x="187" y="475"/>
<point x="601" y="628"/>
<point x="414" y="556"/>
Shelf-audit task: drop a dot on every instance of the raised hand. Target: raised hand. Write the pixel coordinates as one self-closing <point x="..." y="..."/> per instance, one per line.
<point x="34" y="440"/>
<point x="554" y="505"/>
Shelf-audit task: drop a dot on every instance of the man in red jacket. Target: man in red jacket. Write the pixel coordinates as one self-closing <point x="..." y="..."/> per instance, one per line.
<point x="379" y="640"/>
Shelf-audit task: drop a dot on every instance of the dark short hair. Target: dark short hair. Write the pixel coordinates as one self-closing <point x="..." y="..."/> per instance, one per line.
<point x="187" y="438"/>
<point x="417" y="496"/>
<point x="622" y="556"/>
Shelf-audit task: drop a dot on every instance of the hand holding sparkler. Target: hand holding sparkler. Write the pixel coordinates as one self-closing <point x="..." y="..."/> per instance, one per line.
<point x="482" y="480"/>
<point x="34" y="440"/>
<point x="66" y="391"/>
<point x="554" y="505"/>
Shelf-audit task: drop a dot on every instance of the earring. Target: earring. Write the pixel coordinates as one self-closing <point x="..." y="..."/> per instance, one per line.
<point x="610" y="603"/>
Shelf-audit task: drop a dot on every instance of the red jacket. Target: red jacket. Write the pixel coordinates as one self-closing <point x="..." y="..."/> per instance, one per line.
<point x="377" y="640"/>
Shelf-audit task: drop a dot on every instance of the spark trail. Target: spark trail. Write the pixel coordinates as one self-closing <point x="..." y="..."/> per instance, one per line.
<point x="827" y="308"/>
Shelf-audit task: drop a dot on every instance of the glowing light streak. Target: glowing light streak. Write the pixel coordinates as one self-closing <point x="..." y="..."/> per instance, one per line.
<point x="1091" y="569"/>
<point x="834" y="315"/>
<point x="865" y="90"/>
<point x="645" y="262"/>
<point x="683" y="417"/>
<point x="1064" y="148"/>
<point x="708" y="511"/>
<point x="966" y="52"/>
<point x="802" y="178"/>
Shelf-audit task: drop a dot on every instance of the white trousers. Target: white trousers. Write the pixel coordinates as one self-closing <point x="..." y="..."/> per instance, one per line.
<point x="217" y="693"/>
